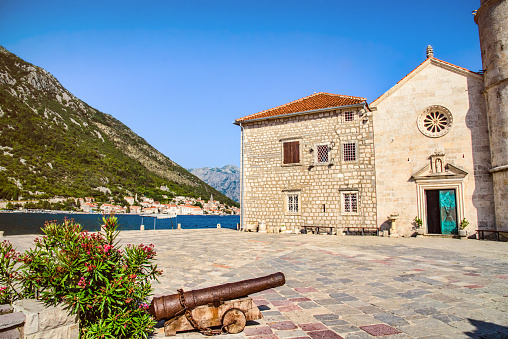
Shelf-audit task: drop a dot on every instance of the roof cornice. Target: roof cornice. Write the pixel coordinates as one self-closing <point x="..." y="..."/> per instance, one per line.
<point x="283" y="116"/>
<point x="430" y="61"/>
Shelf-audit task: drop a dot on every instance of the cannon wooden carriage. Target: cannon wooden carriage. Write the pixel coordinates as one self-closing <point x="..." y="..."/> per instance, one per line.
<point x="226" y="306"/>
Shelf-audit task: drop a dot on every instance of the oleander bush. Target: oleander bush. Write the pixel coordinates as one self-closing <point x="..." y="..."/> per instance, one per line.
<point x="9" y="284"/>
<point x="92" y="276"/>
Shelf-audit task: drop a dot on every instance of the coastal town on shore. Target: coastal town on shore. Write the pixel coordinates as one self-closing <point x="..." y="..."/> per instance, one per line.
<point x="179" y="205"/>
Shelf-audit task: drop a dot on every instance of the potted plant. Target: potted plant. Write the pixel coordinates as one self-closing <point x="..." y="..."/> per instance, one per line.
<point x="463" y="224"/>
<point x="418" y="225"/>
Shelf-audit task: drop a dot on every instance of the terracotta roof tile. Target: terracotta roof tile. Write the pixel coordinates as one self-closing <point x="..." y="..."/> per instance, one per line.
<point x="312" y="102"/>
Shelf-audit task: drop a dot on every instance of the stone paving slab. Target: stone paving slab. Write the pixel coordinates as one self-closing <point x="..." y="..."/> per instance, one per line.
<point x="342" y="287"/>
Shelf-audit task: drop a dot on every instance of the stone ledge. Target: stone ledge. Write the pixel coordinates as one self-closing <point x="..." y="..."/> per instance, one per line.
<point x="11" y="320"/>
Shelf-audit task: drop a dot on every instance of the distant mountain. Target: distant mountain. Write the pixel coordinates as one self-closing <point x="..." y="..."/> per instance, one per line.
<point x="225" y="179"/>
<point x="52" y="143"/>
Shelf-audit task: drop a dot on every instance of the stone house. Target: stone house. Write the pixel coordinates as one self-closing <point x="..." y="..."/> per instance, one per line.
<point x="190" y="210"/>
<point x="135" y="209"/>
<point x="150" y="210"/>
<point x="130" y="200"/>
<point x="309" y="162"/>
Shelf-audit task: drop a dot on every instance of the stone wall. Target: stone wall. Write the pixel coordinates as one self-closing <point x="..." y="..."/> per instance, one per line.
<point x="401" y="149"/>
<point x="46" y="322"/>
<point x="492" y="19"/>
<point x="11" y="324"/>
<point x="267" y="181"/>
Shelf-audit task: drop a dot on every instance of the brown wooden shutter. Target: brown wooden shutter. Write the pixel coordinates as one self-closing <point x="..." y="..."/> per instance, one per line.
<point x="292" y="152"/>
<point x="296" y="152"/>
<point x="287" y="152"/>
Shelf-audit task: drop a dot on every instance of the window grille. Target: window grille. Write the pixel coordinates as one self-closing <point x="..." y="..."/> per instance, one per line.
<point x="293" y="204"/>
<point x="349" y="151"/>
<point x="350" y="202"/>
<point x="322" y="153"/>
<point x="349" y="116"/>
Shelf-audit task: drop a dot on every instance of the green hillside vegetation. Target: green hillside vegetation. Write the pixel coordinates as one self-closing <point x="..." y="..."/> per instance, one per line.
<point x="53" y="144"/>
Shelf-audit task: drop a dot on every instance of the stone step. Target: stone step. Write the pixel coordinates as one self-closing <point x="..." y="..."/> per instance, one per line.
<point x="11" y="325"/>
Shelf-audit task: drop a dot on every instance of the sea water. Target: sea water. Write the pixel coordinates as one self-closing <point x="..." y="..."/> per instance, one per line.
<point x="31" y="223"/>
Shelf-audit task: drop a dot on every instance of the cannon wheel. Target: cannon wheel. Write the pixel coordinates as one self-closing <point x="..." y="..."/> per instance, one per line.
<point x="234" y="321"/>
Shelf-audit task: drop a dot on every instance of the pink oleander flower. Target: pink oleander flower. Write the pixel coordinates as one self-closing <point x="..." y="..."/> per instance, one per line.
<point x="82" y="282"/>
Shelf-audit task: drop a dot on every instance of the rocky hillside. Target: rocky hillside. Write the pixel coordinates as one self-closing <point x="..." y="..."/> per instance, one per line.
<point x="225" y="179"/>
<point x="52" y="143"/>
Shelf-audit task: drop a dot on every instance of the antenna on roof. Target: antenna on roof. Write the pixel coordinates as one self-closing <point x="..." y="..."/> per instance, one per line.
<point x="430" y="52"/>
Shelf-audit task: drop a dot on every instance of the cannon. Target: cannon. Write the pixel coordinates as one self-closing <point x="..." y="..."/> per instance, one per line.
<point x="226" y="305"/>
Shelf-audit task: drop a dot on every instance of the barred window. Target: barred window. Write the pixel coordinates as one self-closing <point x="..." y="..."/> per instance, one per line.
<point x="322" y="153"/>
<point x="349" y="151"/>
<point x="349" y="116"/>
<point x="293" y="203"/>
<point x="350" y="202"/>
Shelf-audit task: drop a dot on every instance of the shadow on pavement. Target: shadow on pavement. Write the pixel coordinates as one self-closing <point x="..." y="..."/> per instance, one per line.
<point x="487" y="330"/>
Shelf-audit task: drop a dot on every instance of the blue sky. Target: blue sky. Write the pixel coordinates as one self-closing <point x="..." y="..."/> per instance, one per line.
<point x="178" y="73"/>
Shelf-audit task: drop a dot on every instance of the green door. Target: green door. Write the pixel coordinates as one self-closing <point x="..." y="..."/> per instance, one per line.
<point x="448" y="212"/>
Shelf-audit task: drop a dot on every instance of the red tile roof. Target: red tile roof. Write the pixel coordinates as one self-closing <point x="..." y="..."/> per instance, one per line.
<point x="312" y="102"/>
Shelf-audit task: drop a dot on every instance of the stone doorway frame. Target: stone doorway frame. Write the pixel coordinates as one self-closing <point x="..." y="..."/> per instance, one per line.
<point x="449" y="184"/>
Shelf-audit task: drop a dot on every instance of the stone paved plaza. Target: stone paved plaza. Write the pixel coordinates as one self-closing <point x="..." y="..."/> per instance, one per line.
<point x="343" y="287"/>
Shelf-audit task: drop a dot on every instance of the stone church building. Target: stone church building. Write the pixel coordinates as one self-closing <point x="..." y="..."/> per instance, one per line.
<point x="434" y="146"/>
<point x="432" y="150"/>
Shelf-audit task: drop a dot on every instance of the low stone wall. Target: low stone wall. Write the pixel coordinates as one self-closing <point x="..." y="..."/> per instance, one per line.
<point x="11" y="324"/>
<point x="47" y="322"/>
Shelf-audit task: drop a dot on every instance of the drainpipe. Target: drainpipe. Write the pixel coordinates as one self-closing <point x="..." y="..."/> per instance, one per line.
<point x="241" y="176"/>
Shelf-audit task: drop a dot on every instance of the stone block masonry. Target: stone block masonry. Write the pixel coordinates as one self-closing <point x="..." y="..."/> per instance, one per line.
<point x="11" y="325"/>
<point x="492" y="20"/>
<point x="402" y="150"/>
<point x="316" y="185"/>
<point x="47" y="322"/>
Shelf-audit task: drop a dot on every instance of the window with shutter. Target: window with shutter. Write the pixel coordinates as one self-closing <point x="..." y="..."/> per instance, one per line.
<point x="291" y="152"/>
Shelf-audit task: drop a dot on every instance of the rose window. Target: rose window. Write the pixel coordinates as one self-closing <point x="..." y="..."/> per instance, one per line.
<point x="435" y="121"/>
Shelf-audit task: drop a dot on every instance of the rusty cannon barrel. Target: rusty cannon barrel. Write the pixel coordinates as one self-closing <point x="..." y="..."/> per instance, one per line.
<point x="168" y="306"/>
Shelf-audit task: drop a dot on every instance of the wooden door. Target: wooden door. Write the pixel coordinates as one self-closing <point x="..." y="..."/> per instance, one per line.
<point x="441" y="212"/>
<point x="448" y="211"/>
<point x="433" y="213"/>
